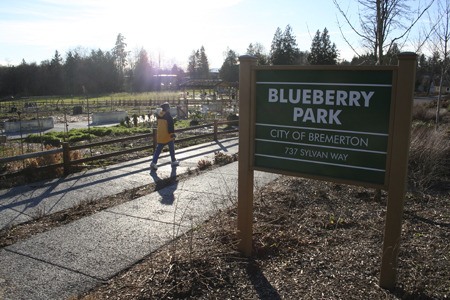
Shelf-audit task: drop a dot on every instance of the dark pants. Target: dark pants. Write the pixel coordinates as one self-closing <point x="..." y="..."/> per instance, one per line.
<point x="159" y="148"/>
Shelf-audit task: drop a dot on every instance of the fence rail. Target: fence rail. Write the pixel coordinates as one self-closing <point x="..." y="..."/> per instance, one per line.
<point x="67" y="163"/>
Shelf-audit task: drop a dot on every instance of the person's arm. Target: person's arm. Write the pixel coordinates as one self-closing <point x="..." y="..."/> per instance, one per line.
<point x="170" y="125"/>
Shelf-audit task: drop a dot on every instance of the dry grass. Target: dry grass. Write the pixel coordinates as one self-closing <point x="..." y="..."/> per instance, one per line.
<point x="429" y="157"/>
<point x="312" y="240"/>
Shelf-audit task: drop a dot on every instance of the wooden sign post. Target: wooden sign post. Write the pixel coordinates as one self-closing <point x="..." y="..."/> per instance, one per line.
<point x="399" y="166"/>
<point x="245" y="170"/>
<point x="335" y="123"/>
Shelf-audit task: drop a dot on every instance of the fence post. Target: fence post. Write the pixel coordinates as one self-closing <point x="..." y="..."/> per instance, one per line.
<point x="154" y="139"/>
<point x="215" y="129"/>
<point x="66" y="158"/>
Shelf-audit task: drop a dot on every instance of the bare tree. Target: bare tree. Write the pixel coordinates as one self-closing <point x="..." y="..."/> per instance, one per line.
<point x="382" y="23"/>
<point x="439" y="43"/>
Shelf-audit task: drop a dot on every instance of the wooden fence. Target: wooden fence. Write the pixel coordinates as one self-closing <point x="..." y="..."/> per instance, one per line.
<point x="68" y="163"/>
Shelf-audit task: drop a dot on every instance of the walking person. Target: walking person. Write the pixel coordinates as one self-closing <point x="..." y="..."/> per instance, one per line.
<point x="165" y="135"/>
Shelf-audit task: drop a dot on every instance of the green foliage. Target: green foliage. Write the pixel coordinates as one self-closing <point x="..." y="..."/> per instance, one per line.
<point x="46" y="139"/>
<point x="257" y="50"/>
<point x="179" y="124"/>
<point x="230" y="69"/>
<point x="322" y="51"/>
<point x="80" y="136"/>
<point x="284" y="49"/>
<point x="198" y="65"/>
<point x="194" y="122"/>
<point x="99" y="131"/>
<point x="85" y="134"/>
<point x="196" y="115"/>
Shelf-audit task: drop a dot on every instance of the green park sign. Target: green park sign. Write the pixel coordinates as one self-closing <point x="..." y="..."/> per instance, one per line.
<point x="325" y="123"/>
<point x="335" y="123"/>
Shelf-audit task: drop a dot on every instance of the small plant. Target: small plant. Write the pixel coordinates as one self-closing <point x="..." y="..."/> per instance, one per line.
<point x="221" y="158"/>
<point x="334" y="222"/>
<point x="204" y="164"/>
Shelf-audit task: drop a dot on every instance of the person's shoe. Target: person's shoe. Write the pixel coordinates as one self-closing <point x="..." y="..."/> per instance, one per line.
<point x="175" y="163"/>
<point x="153" y="166"/>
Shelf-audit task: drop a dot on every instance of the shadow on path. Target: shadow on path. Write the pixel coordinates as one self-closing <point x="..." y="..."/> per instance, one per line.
<point x="166" y="187"/>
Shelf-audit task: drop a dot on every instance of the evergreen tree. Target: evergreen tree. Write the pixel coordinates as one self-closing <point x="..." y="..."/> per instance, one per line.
<point x="142" y="73"/>
<point x="120" y="54"/>
<point x="55" y="72"/>
<point x="322" y="51"/>
<point x="391" y="57"/>
<point x="192" y="64"/>
<point x="367" y="59"/>
<point x="257" y="50"/>
<point x="198" y="66"/>
<point x="230" y="69"/>
<point x="284" y="49"/>
<point x="276" y="50"/>
<point x="70" y="73"/>
<point x="203" y="66"/>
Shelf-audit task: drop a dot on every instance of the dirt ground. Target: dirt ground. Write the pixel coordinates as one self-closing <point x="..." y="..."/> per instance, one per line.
<point x="312" y="240"/>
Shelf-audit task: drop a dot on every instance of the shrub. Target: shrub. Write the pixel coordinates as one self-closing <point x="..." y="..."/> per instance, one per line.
<point x="221" y="158"/>
<point x="233" y="117"/>
<point x="77" y="110"/>
<point x="80" y="137"/>
<point x="194" y="123"/>
<point x="99" y="131"/>
<point x="204" y="164"/>
<point x="46" y="139"/>
<point x="423" y="113"/>
<point x="429" y="157"/>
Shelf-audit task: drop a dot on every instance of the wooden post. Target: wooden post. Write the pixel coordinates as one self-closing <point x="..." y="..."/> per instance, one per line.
<point x="66" y="158"/>
<point x="245" y="171"/>
<point x="215" y="129"/>
<point x="399" y="165"/>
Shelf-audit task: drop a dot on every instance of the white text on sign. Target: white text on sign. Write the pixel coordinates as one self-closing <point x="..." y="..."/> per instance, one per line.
<point x="319" y="97"/>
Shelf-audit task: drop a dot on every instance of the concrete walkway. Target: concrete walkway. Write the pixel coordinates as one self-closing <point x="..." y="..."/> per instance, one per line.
<point x="71" y="259"/>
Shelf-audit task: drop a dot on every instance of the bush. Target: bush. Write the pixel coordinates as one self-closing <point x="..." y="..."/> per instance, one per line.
<point x="77" y="110"/>
<point x="204" y="164"/>
<point x="429" y="157"/>
<point x="233" y="117"/>
<point x="99" y="131"/>
<point x="80" y="137"/>
<point x="194" y="123"/>
<point x="46" y="139"/>
<point x="221" y="158"/>
<point x="423" y="113"/>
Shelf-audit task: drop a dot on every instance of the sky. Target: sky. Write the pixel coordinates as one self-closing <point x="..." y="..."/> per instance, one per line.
<point x="169" y="30"/>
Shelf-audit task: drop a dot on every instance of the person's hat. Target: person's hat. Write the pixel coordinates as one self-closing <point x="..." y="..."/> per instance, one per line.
<point x="165" y="104"/>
